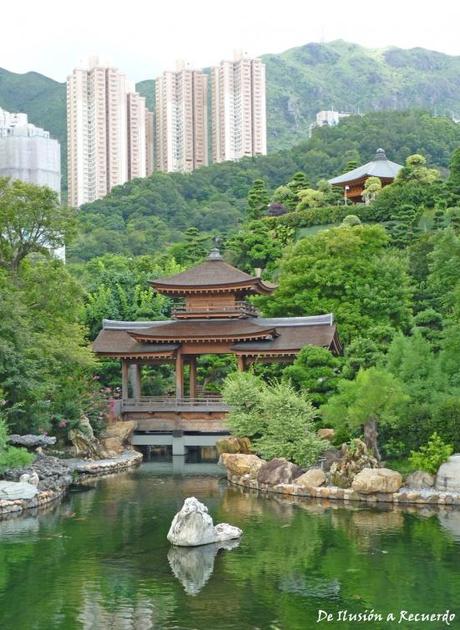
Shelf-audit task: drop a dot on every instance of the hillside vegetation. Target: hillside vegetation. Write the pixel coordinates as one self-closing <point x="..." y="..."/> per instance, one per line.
<point x="145" y="215"/>
<point x="304" y="80"/>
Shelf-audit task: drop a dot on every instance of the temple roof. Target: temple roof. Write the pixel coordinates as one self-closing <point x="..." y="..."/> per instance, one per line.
<point x="212" y="274"/>
<point x="276" y="335"/>
<point x="380" y="166"/>
<point x="203" y="329"/>
<point x="116" y="341"/>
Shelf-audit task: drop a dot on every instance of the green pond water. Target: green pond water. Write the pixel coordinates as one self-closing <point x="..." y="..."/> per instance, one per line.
<point x="101" y="560"/>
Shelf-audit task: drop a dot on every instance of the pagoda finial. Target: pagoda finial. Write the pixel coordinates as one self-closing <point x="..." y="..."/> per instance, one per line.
<point x="215" y="254"/>
<point x="380" y="155"/>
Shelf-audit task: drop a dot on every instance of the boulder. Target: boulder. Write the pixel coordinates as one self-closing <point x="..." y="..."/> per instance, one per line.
<point x="193" y="526"/>
<point x="354" y="457"/>
<point x="84" y="445"/>
<point x="233" y="444"/>
<point x="311" y="479"/>
<point x="329" y="457"/>
<point x="278" y="471"/>
<point x="112" y="446"/>
<point x="32" y="478"/>
<point x="16" y="490"/>
<point x="117" y="436"/>
<point x="84" y="425"/>
<point x="326" y="434"/>
<point x="31" y="441"/>
<point x="448" y="477"/>
<point x="419" y="479"/>
<point x="371" y="480"/>
<point x="240" y="464"/>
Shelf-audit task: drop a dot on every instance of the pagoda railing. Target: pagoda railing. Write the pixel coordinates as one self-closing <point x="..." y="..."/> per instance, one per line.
<point x="238" y="309"/>
<point x="171" y="403"/>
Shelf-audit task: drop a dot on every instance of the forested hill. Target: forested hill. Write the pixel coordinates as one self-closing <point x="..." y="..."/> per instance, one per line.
<point x="144" y="215"/>
<point x="348" y="77"/>
<point x="300" y="82"/>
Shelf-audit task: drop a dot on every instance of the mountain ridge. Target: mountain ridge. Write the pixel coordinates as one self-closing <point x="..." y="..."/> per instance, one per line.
<point x="300" y="82"/>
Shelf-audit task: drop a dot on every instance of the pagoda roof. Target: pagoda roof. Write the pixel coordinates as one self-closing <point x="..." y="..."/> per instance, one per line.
<point x="252" y="336"/>
<point x="115" y="341"/>
<point x="203" y="330"/>
<point x="380" y="166"/>
<point x="212" y="274"/>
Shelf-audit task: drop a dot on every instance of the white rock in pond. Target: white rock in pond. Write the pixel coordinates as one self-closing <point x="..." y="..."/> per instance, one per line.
<point x="193" y="526"/>
<point x="15" y="490"/>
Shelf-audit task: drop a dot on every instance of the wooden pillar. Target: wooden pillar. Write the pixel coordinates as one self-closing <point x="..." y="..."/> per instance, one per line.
<point x="179" y="376"/>
<point x="241" y="363"/>
<point x="136" y="381"/>
<point x="124" y="379"/>
<point x="193" y="377"/>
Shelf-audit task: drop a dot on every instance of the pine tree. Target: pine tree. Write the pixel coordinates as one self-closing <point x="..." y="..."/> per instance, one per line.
<point x="258" y="199"/>
<point x="298" y="183"/>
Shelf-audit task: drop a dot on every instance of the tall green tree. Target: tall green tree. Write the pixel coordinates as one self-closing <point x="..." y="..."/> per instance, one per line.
<point x="258" y="199"/>
<point x="315" y="371"/>
<point x="373" y="398"/>
<point x="193" y="248"/>
<point x="346" y="271"/>
<point x="31" y="220"/>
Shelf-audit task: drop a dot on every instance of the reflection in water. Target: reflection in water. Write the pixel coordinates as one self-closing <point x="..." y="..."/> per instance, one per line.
<point x="193" y="566"/>
<point x="309" y="586"/>
<point x="178" y="465"/>
<point x="101" y="559"/>
<point x="451" y="522"/>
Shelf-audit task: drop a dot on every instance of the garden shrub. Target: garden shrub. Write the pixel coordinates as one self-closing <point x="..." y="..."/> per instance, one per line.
<point x="10" y="456"/>
<point x="277" y="418"/>
<point x="319" y="216"/>
<point x="430" y="456"/>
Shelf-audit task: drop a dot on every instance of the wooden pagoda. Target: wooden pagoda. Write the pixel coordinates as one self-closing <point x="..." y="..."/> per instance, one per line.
<point x="212" y="316"/>
<point x="353" y="181"/>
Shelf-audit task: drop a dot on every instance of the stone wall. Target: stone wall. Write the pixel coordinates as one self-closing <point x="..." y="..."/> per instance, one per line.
<point x="403" y="496"/>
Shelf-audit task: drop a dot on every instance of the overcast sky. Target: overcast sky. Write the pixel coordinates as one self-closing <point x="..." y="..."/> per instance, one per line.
<point x="145" y="37"/>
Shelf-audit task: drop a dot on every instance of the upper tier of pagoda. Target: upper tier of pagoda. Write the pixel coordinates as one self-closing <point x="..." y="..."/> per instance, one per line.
<point x="353" y="181"/>
<point x="212" y="289"/>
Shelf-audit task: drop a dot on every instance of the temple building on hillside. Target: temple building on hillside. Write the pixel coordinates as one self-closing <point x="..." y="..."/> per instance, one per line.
<point x="212" y="316"/>
<point x="353" y="181"/>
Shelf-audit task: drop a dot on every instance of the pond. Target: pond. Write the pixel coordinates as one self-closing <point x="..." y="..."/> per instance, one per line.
<point x="101" y="560"/>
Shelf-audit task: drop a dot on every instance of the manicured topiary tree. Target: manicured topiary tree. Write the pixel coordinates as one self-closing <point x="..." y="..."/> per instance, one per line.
<point x="373" y="398"/>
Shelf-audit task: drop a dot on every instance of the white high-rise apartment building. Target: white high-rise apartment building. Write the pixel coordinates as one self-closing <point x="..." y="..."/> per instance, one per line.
<point x="106" y="131"/>
<point x="149" y="141"/>
<point x="28" y="153"/>
<point x="137" y="136"/>
<point x="181" y="113"/>
<point x="239" y="120"/>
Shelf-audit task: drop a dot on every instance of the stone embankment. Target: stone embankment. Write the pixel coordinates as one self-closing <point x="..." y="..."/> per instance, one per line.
<point x="370" y="485"/>
<point x="48" y="478"/>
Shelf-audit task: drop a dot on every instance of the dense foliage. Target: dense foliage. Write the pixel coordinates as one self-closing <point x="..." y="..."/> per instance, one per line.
<point x="346" y="271"/>
<point x="387" y="269"/>
<point x="10" y="456"/>
<point x="277" y="418"/>
<point x="144" y="215"/>
<point x="430" y="456"/>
